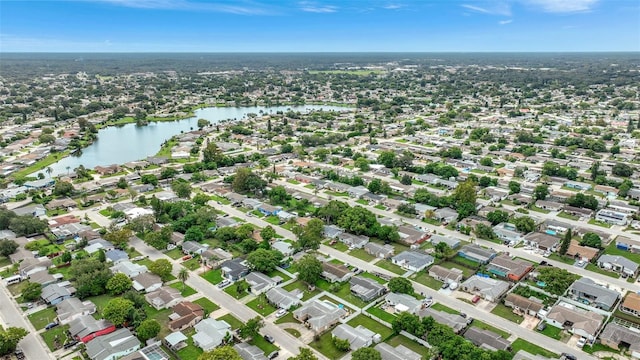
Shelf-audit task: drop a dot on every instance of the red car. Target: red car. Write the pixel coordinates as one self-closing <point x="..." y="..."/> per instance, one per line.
<point x="475" y="299"/>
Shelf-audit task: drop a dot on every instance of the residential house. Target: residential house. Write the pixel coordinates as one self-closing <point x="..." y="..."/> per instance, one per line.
<point x="250" y="203"/>
<point x="96" y="245"/>
<point x="223" y="222"/>
<point x="357" y="192"/>
<point x="249" y="352"/>
<point x="44" y="278"/>
<point x="354" y="241"/>
<point x="577" y="185"/>
<point x="445" y="275"/>
<point x="319" y="315"/>
<point x="549" y="205"/>
<point x="146" y="282"/>
<point x="56" y="293"/>
<point x="508" y="233"/>
<point x="35" y="210"/>
<point x="357" y="337"/>
<point x="485" y="287"/>
<point x="542" y="241"/>
<point x="618" y="337"/>
<point x="284" y="247"/>
<point x="216" y="257"/>
<point x="260" y="283"/>
<point x="477" y="254"/>
<point x="445" y="215"/>
<point x="193" y="248"/>
<point x="163" y="298"/>
<point x="403" y="302"/>
<point x="582" y="252"/>
<point x="412" y="260"/>
<point x="128" y="268"/>
<point x="210" y="333"/>
<point x="631" y="304"/>
<point x="86" y="328"/>
<point x="456" y="322"/>
<point x="612" y="217"/>
<point x="234" y="269"/>
<point x="400" y="352"/>
<point x="607" y="191"/>
<point x="628" y="244"/>
<point x="176" y="341"/>
<point x="283" y="299"/>
<point x="335" y="272"/>
<point x="332" y="231"/>
<point x="116" y="256"/>
<point x="365" y="288"/>
<point x="185" y="315"/>
<point x="153" y="351"/>
<point x="618" y="264"/>
<point x="379" y="251"/>
<point x="411" y="235"/>
<point x="589" y="292"/>
<point x="112" y="346"/>
<point x="510" y="268"/>
<point x="72" y="308"/>
<point x="453" y="243"/>
<point x="268" y="210"/>
<point x="523" y="305"/>
<point x="575" y="320"/>
<point x="486" y="339"/>
<point x="33" y="265"/>
<point x="523" y="355"/>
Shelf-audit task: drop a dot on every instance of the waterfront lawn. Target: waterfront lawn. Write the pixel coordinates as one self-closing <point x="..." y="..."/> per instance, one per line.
<point x="41" y="318"/>
<point x="507" y="313"/>
<point x="388" y="265"/>
<point x="325" y="346"/>
<point x="521" y="344"/>
<point x="207" y="305"/>
<point x="213" y="276"/>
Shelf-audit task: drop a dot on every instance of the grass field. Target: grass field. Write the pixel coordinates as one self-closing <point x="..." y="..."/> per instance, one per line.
<point x="482" y="325"/>
<point x="175" y="254"/>
<point x="56" y="336"/>
<point x="388" y="265"/>
<point x="521" y="344"/>
<point x="507" y="313"/>
<point x="41" y="318"/>
<point x="426" y="280"/>
<point x="599" y="223"/>
<point x="613" y="250"/>
<point x="207" y="305"/>
<point x="231" y="320"/>
<point x="552" y="332"/>
<point x="325" y="346"/>
<point x="233" y="291"/>
<point x="261" y="306"/>
<point x="599" y="270"/>
<point x="186" y="291"/>
<point x="440" y="307"/>
<point x="372" y="325"/>
<point x="213" y="276"/>
<point x="362" y="255"/>
<point x="383" y="315"/>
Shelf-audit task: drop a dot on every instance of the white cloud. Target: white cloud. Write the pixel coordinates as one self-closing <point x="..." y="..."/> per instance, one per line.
<point x="564" y="6"/>
<point x="505" y="22"/>
<point x="490" y="8"/>
<point x="393" y="6"/>
<point x="248" y="9"/>
<point x="308" y="6"/>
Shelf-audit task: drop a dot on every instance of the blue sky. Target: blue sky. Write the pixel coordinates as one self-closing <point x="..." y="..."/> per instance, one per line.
<point x="319" y="26"/>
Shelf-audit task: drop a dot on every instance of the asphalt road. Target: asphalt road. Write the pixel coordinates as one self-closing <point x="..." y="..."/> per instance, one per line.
<point x="32" y="345"/>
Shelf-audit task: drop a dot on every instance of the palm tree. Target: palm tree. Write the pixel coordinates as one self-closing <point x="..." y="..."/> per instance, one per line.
<point x="183" y="275"/>
<point x="49" y="170"/>
<point x="68" y="167"/>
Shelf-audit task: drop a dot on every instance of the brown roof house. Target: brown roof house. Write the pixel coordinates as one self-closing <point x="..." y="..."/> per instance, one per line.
<point x="617" y="337"/>
<point x="445" y="275"/>
<point x="575" y="320"/>
<point x="335" y="272"/>
<point x="185" y="314"/>
<point x="522" y="304"/>
<point x="163" y="298"/>
<point x="631" y="304"/>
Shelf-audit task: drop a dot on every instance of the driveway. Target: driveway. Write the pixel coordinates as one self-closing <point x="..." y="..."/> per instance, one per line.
<point x="530" y="322"/>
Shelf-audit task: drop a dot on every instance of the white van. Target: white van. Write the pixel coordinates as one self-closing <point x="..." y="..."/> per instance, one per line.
<point x="13" y="279"/>
<point x="453" y="285"/>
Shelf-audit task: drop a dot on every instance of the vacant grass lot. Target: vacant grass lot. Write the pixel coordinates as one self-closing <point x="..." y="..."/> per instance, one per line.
<point x="325" y="346"/>
<point x="521" y="344"/>
<point x="261" y="306"/>
<point x="207" y="305"/>
<point x="213" y="276"/>
<point x="302" y="286"/>
<point x="440" y="307"/>
<point x="41" y="318"/>
<point x="426" y="280"/>
<point x="507" y="313"/>
<point x="388" y="265"/>
<point x="185" y="290"/>
<point x="55" y="337"/>
<point x="362" y="255"/>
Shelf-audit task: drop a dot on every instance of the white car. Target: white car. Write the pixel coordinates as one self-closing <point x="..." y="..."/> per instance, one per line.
<point x="224" y="284"/>
<point x="581" y="342"/>
<point x="280" y="313"/>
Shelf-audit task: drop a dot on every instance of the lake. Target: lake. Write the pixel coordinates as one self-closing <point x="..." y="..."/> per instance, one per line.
<point x="121" y="144"/>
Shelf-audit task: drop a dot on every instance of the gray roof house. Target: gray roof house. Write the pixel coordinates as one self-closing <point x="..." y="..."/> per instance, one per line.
<point x="210" y="333"/>
<point x="284" y="247"/>
<point x="403" y="302"/>
<point x="379" y="251"/>
<point x="454" y="321"/>
<point x="332" y="231"/>
<point x="400" y="352"/>
<point x="588" y="291"/>
<point x="508" y="233"/>
<point x="541" y="240"/>
<point x="146" y="282"/>
<point x="128" y="268"/>
<point x="259" y="282"/>
<point x="365" y="288"/>
<point x="476" y="253"/>
<point x="249" y="352"/>
<point x="575" y="320"/>
<point x="616" y="336"/>
<point x="33" y="265"/>
<point x="319" y="315"/>
<point x="523" y="355"/>
<point x="357" y="191"/>
<point x="618" y="264"/>
<point x="163" y="298"/>
<point x="356" y="241"/>
<point x="282" y="298"/>
<point x="72" y="308"/>
<point x="335" y="272"/>
<point x="357" y="337"/>
<point x="486" y="339"/>
<point x="445" y="214"/>
<point x="453" y="243"/>
<point x="445" y="275"/>
<point x="234" y="269"/>
<point x="116" y="256"/>
<point x="86" y="327"/>
<point x="488" y="288"/>
<point x="412" y="260"/>
<point x="112" y="346"/>
<point x="56" y="293"/>
<point x="192" y="247"/>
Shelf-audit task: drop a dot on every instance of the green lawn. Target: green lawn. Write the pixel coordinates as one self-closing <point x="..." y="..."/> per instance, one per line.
<point x="372" y="325"/>
<point x="481" y="325"/>
<point x="41" y="318"/>
<point x="207" y="305"/>
<point x="344" y="292"/>
<point x="16" y="289"/>
<point x="521" y="344"/>
<point x="231" y="320"/>
<point x="4" y="261"/>
<point x="261" y="306"/>
<point x="304" y="288"/>
<point x="383" y="315"/>
<point x="187" y="291"/>
<point x="563" y="259"/>
<point x="293" y="181"/>
<point x="275" y="273"/>
<point x="465" y="262"/>
<point x="388" y="265"/>
<point x="100" y="301"/>
<point x="599" y="223"/>
<point x="338" y="246"/>
<point x="597" y="269"/>
<point x="325" y="346"/>
<point x="362" y="202"/>
<point x="613" y="250"/>
<point x="361" y="254"/>
<point x="264" y="345"/>
<point x="175" y="254"/>
<point x="220" y="199"/>
<point x="563" y="214"/>
<point x="233" y="291"/>
<point x="58" y="333"/>
<point x="409" y="344"/>
<point x="507" y="313"/>
<point x="190" y="351"/>
<point x="287" y="319"/>
<point x="466" y="272"/>
<point x="192" y="264"/>
<point x="293" y="332"/>
<point x="598" y="347"/>
<point x="537" y="209"/>
<point x="552" y="332"/>
<point x="380" y="207"/>
<point x="373" y="277"/>
<point x="333" y="193"/>
<point x="213" y="276"/>
<point x="424" y="279"/>
<point x="627" y="317"/>
<point x="273" y="220"/>
<point x="440" y="307"/>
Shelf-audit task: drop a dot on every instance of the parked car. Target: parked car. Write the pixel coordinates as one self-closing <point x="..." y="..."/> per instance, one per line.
<point x="541" y="325"/>
<point x="567" y="356"/>
<point x="19" y="354"/>
<point x="475" y="299"/>
<point x="445" y="285"/>
<point x="224" y="284"/>
<point x="581" y="342"/>
<point x="453" y="285"/>
<point x="51" y="325"/>
<point x="269" y="339"/>
<point x="280" y="313"/>
<point x="581" y="263"/>
<point x="273" y="355"/>
<point x="70" y="344"/>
